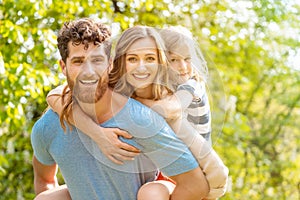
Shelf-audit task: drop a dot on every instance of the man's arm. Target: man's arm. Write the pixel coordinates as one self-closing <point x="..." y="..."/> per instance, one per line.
<point x="191" y="185"/>
<point x="44" y="176"/>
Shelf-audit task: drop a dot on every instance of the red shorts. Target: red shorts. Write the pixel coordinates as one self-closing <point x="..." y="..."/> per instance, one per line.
<point x="162" y="177"/>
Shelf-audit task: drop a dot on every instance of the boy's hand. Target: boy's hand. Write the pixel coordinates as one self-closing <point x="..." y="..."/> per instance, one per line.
<point x="168" y="107"/>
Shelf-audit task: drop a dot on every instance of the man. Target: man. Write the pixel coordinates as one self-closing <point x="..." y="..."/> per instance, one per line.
<point x="84" y="48"/>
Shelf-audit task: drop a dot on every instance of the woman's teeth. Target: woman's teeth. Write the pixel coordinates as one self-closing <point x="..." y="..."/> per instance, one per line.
<point x="141" y="76"/>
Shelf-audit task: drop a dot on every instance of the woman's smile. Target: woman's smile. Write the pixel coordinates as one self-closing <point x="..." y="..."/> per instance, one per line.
<point x="141" y="76"/>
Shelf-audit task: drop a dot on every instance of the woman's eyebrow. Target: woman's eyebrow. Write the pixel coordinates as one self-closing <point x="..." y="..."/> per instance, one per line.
<point x="150" y="54"/>
<point x="131" y="54"/>
<point x="147" y="54"/>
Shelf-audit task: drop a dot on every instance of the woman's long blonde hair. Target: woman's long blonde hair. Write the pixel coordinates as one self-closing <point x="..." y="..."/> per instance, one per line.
<point x="117" y="78"/>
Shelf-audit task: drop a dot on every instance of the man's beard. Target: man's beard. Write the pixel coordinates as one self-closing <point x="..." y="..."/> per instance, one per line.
<point x="88" y="95"/>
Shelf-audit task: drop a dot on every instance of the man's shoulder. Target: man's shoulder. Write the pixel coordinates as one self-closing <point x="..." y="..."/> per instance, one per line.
<point x="49" y="118"/>
<point x="143" y="116"/>
<point x="134" y="103"/>
<point x="139" y="109"/>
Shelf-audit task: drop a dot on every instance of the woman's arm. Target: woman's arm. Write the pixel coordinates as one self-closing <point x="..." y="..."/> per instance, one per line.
<point x="107" y="139"/>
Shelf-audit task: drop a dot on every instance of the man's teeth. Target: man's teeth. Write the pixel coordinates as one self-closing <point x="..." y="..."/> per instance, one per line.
<point x="88" y="81"/>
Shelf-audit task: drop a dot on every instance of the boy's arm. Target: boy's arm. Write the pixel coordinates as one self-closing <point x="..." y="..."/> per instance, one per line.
<point x="172" y="106"/>
<point x="192" y="184"/>
<point x="216" y="173"/>
<point x="107" y="139"/>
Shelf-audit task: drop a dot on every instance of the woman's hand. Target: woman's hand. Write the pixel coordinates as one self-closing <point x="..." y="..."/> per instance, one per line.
<point x="107" y="139"/>
<point x="112" y="147"/>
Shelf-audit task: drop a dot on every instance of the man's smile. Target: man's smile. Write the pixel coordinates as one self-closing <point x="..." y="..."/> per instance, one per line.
<point x="88" y="82"/>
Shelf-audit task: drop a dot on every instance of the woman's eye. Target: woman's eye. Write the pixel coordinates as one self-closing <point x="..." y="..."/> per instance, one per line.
<point x="132" y="59"/>
<point x="150" y="59"/>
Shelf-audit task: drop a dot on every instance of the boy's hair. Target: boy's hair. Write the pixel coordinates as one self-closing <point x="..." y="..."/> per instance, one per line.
<point x="175" y="37"/>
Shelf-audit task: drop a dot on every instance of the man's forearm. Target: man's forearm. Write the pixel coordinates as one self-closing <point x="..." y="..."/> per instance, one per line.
<point x="44" y="176"/>
<point x="41" y="186"/>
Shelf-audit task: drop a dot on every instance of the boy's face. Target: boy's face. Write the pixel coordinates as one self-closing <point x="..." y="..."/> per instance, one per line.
<point x="180" y="60"/>
<point x="87" y="72"/>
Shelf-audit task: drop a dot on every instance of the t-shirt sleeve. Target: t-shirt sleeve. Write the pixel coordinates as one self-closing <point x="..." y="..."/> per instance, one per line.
<point x="40" y="148"/>
<point x="159" y="143"/>
<point x="171" y="155"/>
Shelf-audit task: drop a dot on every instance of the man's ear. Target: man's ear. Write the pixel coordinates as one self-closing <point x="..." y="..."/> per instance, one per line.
<point x="63" y="67"/>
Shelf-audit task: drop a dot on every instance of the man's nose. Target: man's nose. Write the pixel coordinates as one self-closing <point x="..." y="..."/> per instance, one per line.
<point x="88" y="68"/>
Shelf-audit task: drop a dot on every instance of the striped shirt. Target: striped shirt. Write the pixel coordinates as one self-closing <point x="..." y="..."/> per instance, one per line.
<point x="198" y="113"/>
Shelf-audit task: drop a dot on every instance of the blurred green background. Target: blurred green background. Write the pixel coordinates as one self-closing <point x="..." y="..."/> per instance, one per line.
<point x="253" y="52"/>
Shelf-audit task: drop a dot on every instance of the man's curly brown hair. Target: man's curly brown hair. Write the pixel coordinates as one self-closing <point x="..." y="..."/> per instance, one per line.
<point x="83" y="31"/>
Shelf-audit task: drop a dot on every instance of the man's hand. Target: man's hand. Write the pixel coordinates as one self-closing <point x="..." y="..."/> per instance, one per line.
<point x="112" y="147"/>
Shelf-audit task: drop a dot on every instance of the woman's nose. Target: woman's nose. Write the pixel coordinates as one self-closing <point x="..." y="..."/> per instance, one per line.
<point x="141" y="62"/>
<point x="141" y="66"/>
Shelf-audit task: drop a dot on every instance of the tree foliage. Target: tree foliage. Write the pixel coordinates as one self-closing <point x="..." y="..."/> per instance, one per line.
<point x="252" y="48"/>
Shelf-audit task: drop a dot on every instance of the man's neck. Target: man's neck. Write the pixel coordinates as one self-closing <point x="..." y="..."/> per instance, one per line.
<point x="103" y="110"/>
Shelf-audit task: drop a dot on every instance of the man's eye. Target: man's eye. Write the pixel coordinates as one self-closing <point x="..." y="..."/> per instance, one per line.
<point x="78" y="61"/>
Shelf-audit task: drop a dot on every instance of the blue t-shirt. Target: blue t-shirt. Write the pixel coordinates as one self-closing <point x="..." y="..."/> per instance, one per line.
<point x="90" y="175"/>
